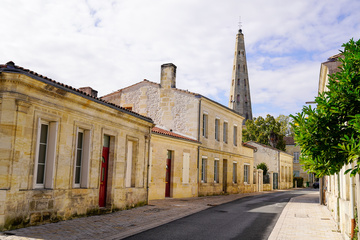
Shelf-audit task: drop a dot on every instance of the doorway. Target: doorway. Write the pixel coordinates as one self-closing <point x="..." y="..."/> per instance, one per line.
<point x="104" y="171"/>
<point x="168" y="174"/>
<point x="224" y="175"/>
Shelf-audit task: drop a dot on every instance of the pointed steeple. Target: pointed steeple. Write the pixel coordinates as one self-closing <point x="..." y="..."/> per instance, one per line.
<point x="240" y="99"/>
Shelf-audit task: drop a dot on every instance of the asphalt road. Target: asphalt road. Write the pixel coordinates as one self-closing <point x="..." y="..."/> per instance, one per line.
<point x="251" y="217"/>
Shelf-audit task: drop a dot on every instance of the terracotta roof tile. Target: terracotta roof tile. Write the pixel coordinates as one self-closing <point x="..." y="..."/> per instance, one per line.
<point x="289" y="140"/>
<point x="11" y="67"/>
<point x="171" y="134"/>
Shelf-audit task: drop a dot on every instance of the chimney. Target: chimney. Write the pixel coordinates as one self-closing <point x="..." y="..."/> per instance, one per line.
<point x="89" y="91"/>
<point x="168" y="76"/>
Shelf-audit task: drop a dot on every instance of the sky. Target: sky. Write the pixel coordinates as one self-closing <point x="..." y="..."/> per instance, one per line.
<point x="109" y="45"/>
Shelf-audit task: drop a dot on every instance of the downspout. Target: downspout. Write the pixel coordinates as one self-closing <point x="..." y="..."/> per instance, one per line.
<point x="148" y="166"/>
<point x="352" y="204"/>
<point x="338" y="199"/>
<point x="198" y="153"/>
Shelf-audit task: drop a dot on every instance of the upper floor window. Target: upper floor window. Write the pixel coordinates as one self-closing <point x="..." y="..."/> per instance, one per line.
<point x="235" y="135"/>
<point x="205" y="125"/>
<point x="225" y="132"/>
<point x="296" y="157"/>
<point x="217" y="129"/>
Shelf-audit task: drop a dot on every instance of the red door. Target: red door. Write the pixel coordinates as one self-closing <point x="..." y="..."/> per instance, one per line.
<point x="168" y="177"/>
<point x="103" y="177"/>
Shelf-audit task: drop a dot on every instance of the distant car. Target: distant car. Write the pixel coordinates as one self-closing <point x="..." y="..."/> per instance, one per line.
<point x="316" y="185"/>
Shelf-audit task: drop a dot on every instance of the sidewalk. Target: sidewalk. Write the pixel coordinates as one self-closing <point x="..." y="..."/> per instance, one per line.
<point x="302" y="218"/>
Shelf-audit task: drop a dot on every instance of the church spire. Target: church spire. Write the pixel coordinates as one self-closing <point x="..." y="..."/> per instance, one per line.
<point x="240" y="100"/>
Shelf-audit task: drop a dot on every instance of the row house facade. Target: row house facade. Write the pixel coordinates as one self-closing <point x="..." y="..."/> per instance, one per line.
<point x="220" y="164"/>
<point x="64" y="152"/>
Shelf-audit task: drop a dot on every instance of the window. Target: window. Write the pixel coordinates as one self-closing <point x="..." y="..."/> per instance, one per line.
<point x="217" y="129"/>
<point x="238" y="82"/>
<point x="234" y="172"/>
<point x="186" y="167"/>
<point x="82" y="158"/>
<point x="238" y="98"/>
<point x="235" y="136"/>
<point x="216" y="171"/>
<point x="45" y="154"/>
<point x="296" y="157"/>
<point x="225" y="133"/>
<point x="205" y="125"/>
<point x="246" y="173"/>
<point x="131" y="164"/>
<point x="232" y="84"/>
<point x="203" y="170"/>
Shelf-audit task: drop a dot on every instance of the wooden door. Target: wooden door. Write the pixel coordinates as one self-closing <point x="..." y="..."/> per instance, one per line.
<point x="224" y="175"/>
<point x="168" y="177"/>
<point x="103" y="176"/>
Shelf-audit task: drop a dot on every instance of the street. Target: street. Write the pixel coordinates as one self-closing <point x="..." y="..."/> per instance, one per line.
<point x="251" y="217"/>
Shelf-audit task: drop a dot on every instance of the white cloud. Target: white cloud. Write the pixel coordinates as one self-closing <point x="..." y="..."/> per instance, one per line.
<point x="111" y="44"/>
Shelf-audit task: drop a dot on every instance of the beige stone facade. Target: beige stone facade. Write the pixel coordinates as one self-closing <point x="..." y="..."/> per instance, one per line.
<point x="180" y="174"/>
<point x="223" y="164"/>
<point x="279" y="164"/>
<point x="298" y="171"/>
<point x="45" y="173"/>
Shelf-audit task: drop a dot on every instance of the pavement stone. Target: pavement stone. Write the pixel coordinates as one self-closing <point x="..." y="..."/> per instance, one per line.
<point x="302" y="218"/>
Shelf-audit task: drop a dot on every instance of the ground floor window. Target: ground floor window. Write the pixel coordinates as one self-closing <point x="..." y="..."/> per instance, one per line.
<point x="246" y="173"/>
<point x="203" y="170"/>
<point x="234" y="172"/>
<point x="216" y="171"/>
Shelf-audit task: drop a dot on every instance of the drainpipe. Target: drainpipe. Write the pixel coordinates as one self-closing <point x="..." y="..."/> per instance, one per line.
<point x="352" y="215"/>
<point x="198" y="153"/>
<point x="148" y="166"/>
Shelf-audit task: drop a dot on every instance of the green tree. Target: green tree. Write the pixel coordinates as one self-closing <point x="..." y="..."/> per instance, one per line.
<point x="329" y="134"/>
<point x="263" y="167"/>
<point x="285" y="127"/>
<point x="266" y="131"/>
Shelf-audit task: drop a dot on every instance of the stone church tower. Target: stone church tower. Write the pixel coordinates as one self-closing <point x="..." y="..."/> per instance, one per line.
<point x="240" y="100"/>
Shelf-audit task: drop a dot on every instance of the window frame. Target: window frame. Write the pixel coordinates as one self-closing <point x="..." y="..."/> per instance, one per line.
<point x="216" y="170"/>
<point x="225" y="131"/>
<point x="234" y="177"/>
<point x="203" y="169"/>
<point x="205" y="124"/>
<point x="296" y="157"/>
<point x="246" y="173"/>
<point x="50" y="154"/>
<point x="85" y="158"/>
<point x="217" y="129"/>
<point x="235" y="135"/>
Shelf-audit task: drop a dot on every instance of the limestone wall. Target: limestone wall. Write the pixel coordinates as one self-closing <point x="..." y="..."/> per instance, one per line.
<point x="24" y="102"/>
<point x="180" y="150"/>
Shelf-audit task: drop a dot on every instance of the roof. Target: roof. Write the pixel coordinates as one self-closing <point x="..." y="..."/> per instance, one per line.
<point x="171" y="134"/>
<point x="267" y="146"/>
<point x="145" y="81"/>
<point x="249" y="146"/>
<point x="10" y="67"/>
<point x="289" y="140"/>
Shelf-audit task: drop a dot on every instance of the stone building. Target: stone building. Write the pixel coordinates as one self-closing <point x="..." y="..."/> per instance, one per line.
<point x="294" y="150"/>
<point x="279" y="164"/>
<point x="340" y="192"/>
<point x="64" y="152"/>
<point x="239" y="99"/>
<point x="172" y="166"/>
<point x="222" y="163"/>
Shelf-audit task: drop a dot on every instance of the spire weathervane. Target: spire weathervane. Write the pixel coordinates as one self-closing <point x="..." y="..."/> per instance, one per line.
<point x="240" y="24"/>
